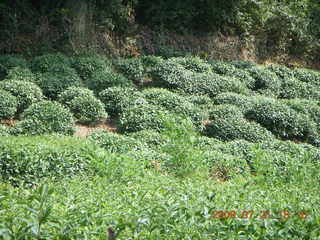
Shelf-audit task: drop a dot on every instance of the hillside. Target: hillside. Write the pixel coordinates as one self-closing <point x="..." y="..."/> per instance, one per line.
<point x="173" y="148"/>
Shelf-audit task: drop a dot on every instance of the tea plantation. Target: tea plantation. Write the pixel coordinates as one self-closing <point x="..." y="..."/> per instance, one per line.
<point x="202" y="149"/>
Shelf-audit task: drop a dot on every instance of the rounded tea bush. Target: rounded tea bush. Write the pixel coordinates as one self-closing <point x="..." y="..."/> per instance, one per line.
<point x="222" y="68"/>
<point x="87" y="108"/>
<point x="141" y="117"/>
<point x="21" y="74"/>
<point x="281" y="71"/>
<point x="101" y="80"/>
<point x="114" y="142"/>
<point x="132" y="68"/>
<point x="26" y="93"/>
<point x="211" y="84"/>
<point x="307" y="76"/>
<point x="194" y="64"/>
<point x="242" y="102"/>
<point x="44" y="63"/>
<point x="3" y="130"/>
<point x="117" y="99"/>
<point x="9" y="61"/>
<point x="149" y="62"/>
<point x="45" y="117"/>
<point x="281" y="120"/>
<point x="242" y="64"/>
<point x="293" y="88"/>
<point x="234" y="128"/>
<point x="57" y="80"/>
<point x="225" y="111"/>
<point x="8" y="105"/>
<point x="173" y="103"/>
<point x="149" y="137"/>
<point x="265" y="79"/>
<point x="72" y="92"/>
<point x="86" y="66"/>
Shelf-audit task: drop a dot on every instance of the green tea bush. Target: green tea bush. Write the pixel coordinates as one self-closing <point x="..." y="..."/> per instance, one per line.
<point x="170" y="74"/>
<point x="151" y="138"/>
<point x="307" y="107"/>
<point x="242" y="64"/>
<point x="8" y="105"/>
<point x="141" y="117"/>
<point x="199" y="100"/>
<point x="45" y="117"/>
<point x="114" y="142"/>
<point x="194" y="64"/>
<point x="4" y="131"/>
<point x="225" y="111"/>
<point x="307" y="76"/>
<point x="28" y="160"/>
<point x="26" y="93"/>
<point x="116" y="99"/>
<point x="132" y="68"/>
<point x="244" y="77"/>
<point x="233" y="128"/>
<point x="205" y="143"/>
<point x="282" y="120"/>
<point x="86" y="66"/>
<point x="57" y="80"/>
<point x="281" y="71"/>
<point x="242" y="102"/>
<point x="9" y="61"/>
<point x="45" y="62"/>
<point x="222" y="67"/>
<point x="21" y="74"/>
<point x="101" y="80"/>
<point x="149" y="62"/>
<point x="87" y="108"/>
<point x="211" y="84"/>
<point x="265" y="79"/>
<point x="173" y="103"/>
<point x="72" y="92"/>
<point x="293" y="88"/>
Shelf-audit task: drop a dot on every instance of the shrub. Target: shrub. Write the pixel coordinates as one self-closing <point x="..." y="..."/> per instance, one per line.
<point x="149" y="62"/>
<point x="281" y="119"/>
<point x="169" y="74"/>
<point x="173" y="103"/>
<point x="114" y="142"/>
<point x="222" y="67"/>
<point x="225" y="111"/>
<point x="242" y="64"/>
<point x="28" y="160"/>
<point x="101" y="80"/>
<point x="265" y="79"/>
<point x="211" y="84"/>
<point x="46" y="62"/>
<point x="199" y="100"/>
<point x="8" y="62"/>
<point x="116" y="99"/>
<point x="244" y="77"/>
<point x="45" y="117"/>
<point x="205" y="143"/>
<point x="132" y="68"/>
<point x="3" y="130"/>
<point x="86" y="66"/>
<point x="26" y="93"/>
<point x="141" y="117"/>
<point x="72" y="92"/>
<point x="151" y="138"/>
<point x="234" y="128"/>
<point x="21" y="74"/>
<point x="87" y="108"/>
<point x="194" y="64"/>
<point x="57" y="80"/>
<point x="8" y="105"/>
<point x="307" y="107"/>
<point x="293" y="88"/>
<point x="307" y="76"/>
<point x="242" y="102"/>
<point x="281" y="71"/>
